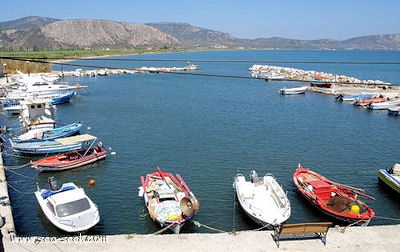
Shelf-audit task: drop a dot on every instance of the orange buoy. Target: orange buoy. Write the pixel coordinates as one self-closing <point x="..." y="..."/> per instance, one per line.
<point x="91" y="182"/>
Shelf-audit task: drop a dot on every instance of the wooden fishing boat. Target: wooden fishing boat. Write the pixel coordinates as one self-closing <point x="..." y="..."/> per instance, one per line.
<point x="71" y="160"/>
<point x="293" y="90"/>
<point x="169" y="202"/>
<point x="65" y="144"/>
<point x="262" y="199"/>
<point x="67" y="207"/>
<point x="321" y="84"/>
<point x="366" y="101"/>
<point x="49" y="134"/>
<point x="391" y="177"/>
<point x="336" y="200"/>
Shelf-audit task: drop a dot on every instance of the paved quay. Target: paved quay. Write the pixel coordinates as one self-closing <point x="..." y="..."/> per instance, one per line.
<point x="353" y="239"/>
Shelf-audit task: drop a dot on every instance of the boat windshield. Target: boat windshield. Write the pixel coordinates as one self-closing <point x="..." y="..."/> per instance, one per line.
<point x="73" y="207"/>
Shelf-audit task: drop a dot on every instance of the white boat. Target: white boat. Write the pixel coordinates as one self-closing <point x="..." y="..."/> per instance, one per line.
<point x="391" y="177"/>
<point x="37" y="113"/>
<point x="13" y="107"/>
<point x="262" y="199"/>
<point x="384" y="105"/>
<point x="68" y="207"/>
<point x="38" y="86"/>
<point x="293" y="90"/>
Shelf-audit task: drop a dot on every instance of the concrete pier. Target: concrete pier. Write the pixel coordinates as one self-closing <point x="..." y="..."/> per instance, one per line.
<point x="351" y="239"/>
<point x="5" y="206"/>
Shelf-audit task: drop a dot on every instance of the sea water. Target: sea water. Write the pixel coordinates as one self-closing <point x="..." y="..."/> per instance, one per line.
<point x="208" y="128"/>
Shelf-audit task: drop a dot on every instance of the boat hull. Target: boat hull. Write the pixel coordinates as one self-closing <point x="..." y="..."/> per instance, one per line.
<point x="45" y="148"/>
<point x="293" y="91"/>
<point x="389" y="180"/>
<point x="168" y="200"/>
<point x="344" y="206"/>
<point x="78" y="221"/>
<point x="69" y="161"/>
<point x="263" y="200"/>
<point x="51" y="134"/>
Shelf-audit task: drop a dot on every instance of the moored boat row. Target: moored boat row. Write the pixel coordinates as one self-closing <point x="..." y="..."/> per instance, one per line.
<point x="67" y="207"/>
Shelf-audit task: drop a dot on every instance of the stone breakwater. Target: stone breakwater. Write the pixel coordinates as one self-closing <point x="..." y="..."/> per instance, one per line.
<point x="293" y="74"/>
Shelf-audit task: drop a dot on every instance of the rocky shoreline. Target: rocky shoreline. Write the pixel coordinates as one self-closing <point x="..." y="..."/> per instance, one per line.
<point x="341" y="84"/>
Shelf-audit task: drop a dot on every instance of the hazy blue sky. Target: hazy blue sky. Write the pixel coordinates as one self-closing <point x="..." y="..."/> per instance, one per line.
<point x="296" y="19"/>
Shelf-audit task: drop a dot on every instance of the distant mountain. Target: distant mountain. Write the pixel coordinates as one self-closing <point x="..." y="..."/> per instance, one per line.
<point x="37" y="33"/>
<point x="26" y="23"/>
<point x="190" y="36"/>
<point x="379" y="42"/>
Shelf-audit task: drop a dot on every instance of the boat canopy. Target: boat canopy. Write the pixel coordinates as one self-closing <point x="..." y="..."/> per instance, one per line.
<point x="75" y="139"/>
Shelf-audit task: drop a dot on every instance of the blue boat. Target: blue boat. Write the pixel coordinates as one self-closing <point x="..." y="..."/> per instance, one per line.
<point x="15" y="107"/>
<point x="49" y="134"/>
<point x="53" y="146"/>
<point x="63" y="98"/>
<point x="352" y="98"/>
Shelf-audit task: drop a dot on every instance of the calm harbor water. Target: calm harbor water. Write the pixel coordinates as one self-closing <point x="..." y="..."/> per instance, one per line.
<point x="208" y="128"/>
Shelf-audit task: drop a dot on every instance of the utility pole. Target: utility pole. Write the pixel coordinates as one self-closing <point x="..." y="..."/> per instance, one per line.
<point x="4" y="69"/>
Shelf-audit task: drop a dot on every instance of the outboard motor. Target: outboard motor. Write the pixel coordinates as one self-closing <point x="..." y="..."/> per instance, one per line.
<point x="53" y="184"/>
<point x="253" y="176"/>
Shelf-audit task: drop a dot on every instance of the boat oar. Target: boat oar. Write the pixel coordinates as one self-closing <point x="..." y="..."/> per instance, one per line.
<point x="365" y="195"/>
<point x="347" y="186"/>
<point x="162" y="176"/>
<point x="356" y="190"/>
<point x="183" y="182"/>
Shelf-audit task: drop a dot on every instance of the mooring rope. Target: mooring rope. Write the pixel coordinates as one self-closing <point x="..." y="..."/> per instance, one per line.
<point x="16" y="167"/>
<point x="387" y="218"/>
<point x="211" y="228"/>
<point x="163" y="229"/>
<point x="19" y="174"/>
<point x="19" y="191"/>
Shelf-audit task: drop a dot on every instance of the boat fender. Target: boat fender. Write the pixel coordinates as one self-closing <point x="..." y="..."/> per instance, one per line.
<point x="355" y="209"/>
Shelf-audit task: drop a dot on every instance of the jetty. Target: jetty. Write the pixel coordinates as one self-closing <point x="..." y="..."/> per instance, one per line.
<point x="293" y="74"/>
<point x="6" y="216"/>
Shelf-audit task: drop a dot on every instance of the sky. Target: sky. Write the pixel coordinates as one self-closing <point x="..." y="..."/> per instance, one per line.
<point x="250" y="19"/>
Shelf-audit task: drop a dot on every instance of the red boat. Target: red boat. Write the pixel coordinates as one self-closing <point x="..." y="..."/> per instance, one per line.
<point x="321" y="85"/>
<point x="336" y="200"/>
<point x="70" y="160"/>
<point x="366" y="101"/>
